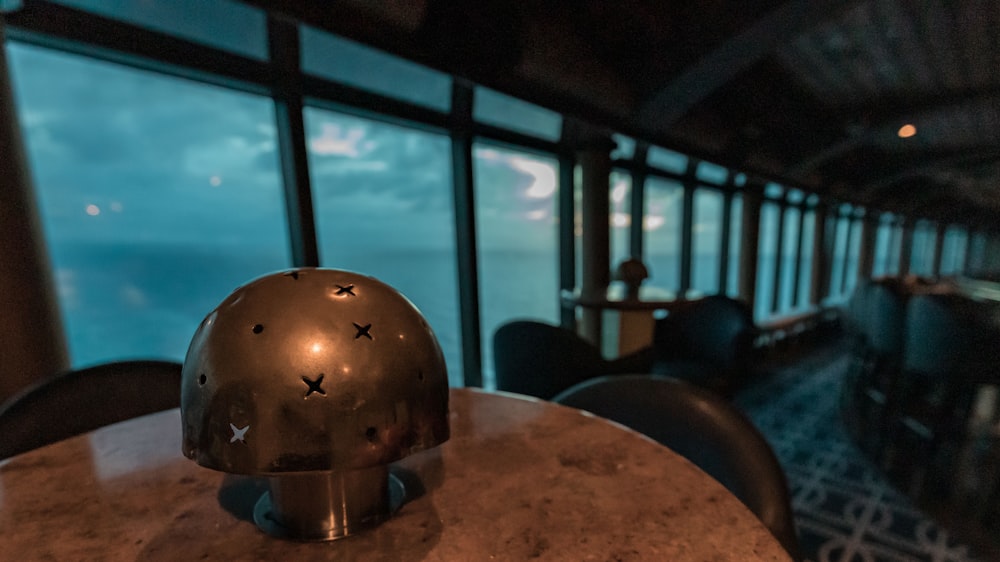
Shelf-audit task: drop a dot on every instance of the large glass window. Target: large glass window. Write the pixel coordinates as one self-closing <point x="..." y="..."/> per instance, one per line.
<point x="383" y="205"/>
<point x="853" y="258"/>
<point x="620" y="220"/>
<point x="158" y="198"/>
<point x="662" y="227"/>
<point x="511" y="113"/>
<point x="883" y="238"/>
<point x="837" y="269"/>
<point x="767" y="252"/>
<point x="707" y="241"/>
<point x="224" y="24"/>
<point x="789" y="255"/>
<point x="735" y="238"/>
<point x="358" y="65"/>
<point x="516" y="218"/>
<point x="806" y="260"/>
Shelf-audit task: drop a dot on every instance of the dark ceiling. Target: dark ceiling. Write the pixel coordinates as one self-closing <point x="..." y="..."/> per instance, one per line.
<point x="808" y="92"/>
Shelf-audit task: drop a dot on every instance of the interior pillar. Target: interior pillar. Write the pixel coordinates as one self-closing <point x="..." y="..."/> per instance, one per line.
<point x="33" y="345"/>
<point x="753" y="197"/>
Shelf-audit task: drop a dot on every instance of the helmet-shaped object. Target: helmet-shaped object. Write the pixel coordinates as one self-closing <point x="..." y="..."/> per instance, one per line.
<point x="312" y="370"/>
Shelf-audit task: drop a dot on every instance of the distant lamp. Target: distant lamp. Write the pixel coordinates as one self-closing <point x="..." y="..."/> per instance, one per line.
<point x="906" y="131"/>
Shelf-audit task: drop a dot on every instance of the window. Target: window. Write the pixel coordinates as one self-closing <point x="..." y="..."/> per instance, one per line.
<point x="358" y="65"/>
<point x="667" y="160"/>
<point x="767" y="252"/>
<point x="157" y="201"/>
<point x="516" y="220"/>
<point x="735" y="238"/>
<point x="883" y="238"/>
<point x="789" y="255"/>
<point x="662" y="227"/>
<point x="383" y="205"/>
<point x="839" y="258"/>
<point x="224" y="24"/>
<point x="806" y="260"/>
<point x="511" y="113"/>
<point x="620" y="221"/>
<point x="706" y="241"/>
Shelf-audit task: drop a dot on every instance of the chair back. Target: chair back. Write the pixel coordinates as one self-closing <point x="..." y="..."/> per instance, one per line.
<point x="716" y="329"/>
<point x="703" y="427"/>
<point x="540" y="359"/>
<point x="82" y="400"/>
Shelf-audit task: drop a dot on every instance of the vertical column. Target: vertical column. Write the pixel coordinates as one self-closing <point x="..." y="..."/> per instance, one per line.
<point x="637" y="199"/>
<point x="283" y="44"/>
<point x="727" y="221"/>
<point x="973" y="252"/>
<point x="465" y="231"/>
<point x="866" y="254"/>
<point x="823" y="239"/>
<point x="36" y="348"/>
<point x="594" y="157"/>
<point x="753" y="196"/>
<point x="687" y="228"/>
<point x="849" y="221"/>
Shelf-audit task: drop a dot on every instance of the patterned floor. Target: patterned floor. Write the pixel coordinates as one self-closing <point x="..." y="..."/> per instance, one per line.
<point x="845" y="509"/>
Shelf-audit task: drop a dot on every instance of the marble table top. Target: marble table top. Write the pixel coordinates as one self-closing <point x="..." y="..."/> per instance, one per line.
<point x="520" y="479"/>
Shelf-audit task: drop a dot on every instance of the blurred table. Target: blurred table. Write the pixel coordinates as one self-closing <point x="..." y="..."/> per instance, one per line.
<point x="519" y="479"/>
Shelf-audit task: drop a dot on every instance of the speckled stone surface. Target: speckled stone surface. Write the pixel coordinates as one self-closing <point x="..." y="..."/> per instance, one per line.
<point x="519" y="480"/>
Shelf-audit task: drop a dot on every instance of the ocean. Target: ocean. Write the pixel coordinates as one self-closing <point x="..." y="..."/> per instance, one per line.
<point x="142" y="300"/>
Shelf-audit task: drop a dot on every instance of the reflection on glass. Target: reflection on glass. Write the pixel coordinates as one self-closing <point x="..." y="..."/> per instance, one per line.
<point x="516" y="218"/>
<point x="706" y="241"/>
<point x="662" y="227"/>
<point x="224" y="24"/>
<point x="343" y="60"/>
<point x="383" y="205"/>
<point x="517" y="115"/>
<point x="157" y="199"/>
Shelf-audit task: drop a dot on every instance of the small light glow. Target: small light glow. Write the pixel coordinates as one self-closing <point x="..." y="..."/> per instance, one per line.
<point x="93" y="210"/>
<point x="906" y="131"/>
<point x="621" y="220"/>
<point x="116" y="206"/>
<point x="215" y="181"/>
<point x="316" y="347"/>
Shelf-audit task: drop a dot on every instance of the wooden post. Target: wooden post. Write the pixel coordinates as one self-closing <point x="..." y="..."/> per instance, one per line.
<point x="594" y="157"/>
<point x="33" y="345"/>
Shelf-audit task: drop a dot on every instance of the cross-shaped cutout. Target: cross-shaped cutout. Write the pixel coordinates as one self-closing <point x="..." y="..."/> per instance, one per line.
<point x="363" y="331"/>
<point x="314" y="385"/>
<point x="239" y="433"/>
<point x="345" y="290"/>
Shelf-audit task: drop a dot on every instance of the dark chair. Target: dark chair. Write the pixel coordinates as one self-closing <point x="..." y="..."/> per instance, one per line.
<point x="706" y="429"/>
<point x="539" y="359"/>
<point x="946" y="353"/>
<point x="81" y="400"/>
<point x="708" y="342"/>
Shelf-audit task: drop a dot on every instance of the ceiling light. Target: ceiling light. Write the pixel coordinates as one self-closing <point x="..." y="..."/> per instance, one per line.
<point x="906" y="131"/>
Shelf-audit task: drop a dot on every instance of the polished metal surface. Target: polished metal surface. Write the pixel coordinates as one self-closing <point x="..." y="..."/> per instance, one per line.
<point x="317" y="378"/>
<point x="327" y="506"/>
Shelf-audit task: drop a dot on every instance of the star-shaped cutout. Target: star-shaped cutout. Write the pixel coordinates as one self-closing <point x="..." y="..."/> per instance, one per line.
<point x="362" y="330"/>
<point x="314" y="385"/>
<point x="239" y="434"/>
<point x="345" y="290"/>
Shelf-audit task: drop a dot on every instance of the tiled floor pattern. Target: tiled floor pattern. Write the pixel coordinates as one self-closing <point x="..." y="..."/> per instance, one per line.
<point x="845" y="509"/>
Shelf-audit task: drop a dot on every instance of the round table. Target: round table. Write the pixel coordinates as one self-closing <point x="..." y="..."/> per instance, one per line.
<point x="519" y="479"/>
